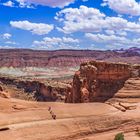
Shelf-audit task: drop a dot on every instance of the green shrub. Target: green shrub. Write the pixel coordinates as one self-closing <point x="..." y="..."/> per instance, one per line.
<point x="119" y="136"/>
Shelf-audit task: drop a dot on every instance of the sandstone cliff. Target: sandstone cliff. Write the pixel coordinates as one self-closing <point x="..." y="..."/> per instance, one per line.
<point x="99" y="81"/>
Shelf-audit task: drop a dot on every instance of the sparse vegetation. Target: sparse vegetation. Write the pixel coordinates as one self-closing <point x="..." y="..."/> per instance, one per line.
<point x="119" y="136"/>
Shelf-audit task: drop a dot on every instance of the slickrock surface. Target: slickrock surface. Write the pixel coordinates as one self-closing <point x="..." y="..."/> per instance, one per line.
<point x="130" y="91"/>
<point x="91" y="121"/>
<point x="100" y="81"/>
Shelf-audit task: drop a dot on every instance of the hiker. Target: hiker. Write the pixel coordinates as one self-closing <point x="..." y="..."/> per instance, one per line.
<point x="54" y="116"/>
<point x="49" y="109"/>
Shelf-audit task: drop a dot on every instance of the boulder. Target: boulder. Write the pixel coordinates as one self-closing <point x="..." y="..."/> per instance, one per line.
<point x="4" y="94"/>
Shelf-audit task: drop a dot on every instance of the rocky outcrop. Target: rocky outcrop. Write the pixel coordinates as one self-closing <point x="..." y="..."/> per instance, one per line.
<point x="130" y="92"/>
<point x="3" y="93"/>
<point x="99" y="81"/>
<point x="135" y="70"/>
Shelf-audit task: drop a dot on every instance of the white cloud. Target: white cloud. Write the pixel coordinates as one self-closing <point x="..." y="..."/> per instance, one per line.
<point x="110" y="32"/>
<point x="113" y="41"/>
<point x="33" y="3"/>
<point x="69" y="40"/>
<point x="117" y="32"/>
<point x="56" y="42"/>
<point x="6" y="36"/>
<point x="7" y="47"/>
<point x="82" y="19"/>
<point x="11" y="42"/>
<point x="87" y="19"/>
<point x="51" y="3"/>
<point x="101" y="38"/>
<point x="9" y="4"/>
<point x="35" y="28"/>
<point x="130" y="7"/>
<point x="121" y="33"/>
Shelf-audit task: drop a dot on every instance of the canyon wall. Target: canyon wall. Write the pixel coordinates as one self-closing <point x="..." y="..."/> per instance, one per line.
<point x="63" y="58"/>
<point x="39" y="90"/>
<point x="99" y="81"/>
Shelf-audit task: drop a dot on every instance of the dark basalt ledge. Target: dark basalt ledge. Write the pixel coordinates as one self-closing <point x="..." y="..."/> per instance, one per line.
<point x="99" y="81"/>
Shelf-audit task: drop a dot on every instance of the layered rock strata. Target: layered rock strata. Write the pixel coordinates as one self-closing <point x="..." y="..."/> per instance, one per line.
<point x="62" y="58"/>
<point x="100" y="81"/>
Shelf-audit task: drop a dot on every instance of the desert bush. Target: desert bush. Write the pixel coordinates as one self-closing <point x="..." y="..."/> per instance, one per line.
<point x="119" y="136"/>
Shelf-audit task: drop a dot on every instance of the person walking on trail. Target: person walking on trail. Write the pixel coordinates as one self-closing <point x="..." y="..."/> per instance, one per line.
<point x="54" y="116"/>
<point x="49" y="109"/>
<point x="51" y="112"/>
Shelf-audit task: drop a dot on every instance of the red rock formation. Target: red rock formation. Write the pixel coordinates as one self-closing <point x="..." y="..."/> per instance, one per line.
<point x="135" y="71"/>
<point x="130" y="90"/>
<point x="98" y="81"/>
<point x="38" y="58"/>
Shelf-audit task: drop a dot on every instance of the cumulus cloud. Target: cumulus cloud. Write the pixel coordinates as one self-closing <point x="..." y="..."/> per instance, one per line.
<point x="51" y="3"/>
<point x="87" y="19"/>
<point x="113" y="41"/>
<point x="11" y="42"/>
<point x="6" y="36"/>
<point x="33" y="3"/>
<point x="35" y="28"/>
<point x="129" y="7"/>
<point x="82" y="19"/>
<point x="7" y="47"/>
<point x="101" y="38"/>
<point x="84" y="0"/>
<point x="56" y="42"/>
<point x="121" y="33"/>
<point x="9" y="4"/>
<point x="110" y="32"/>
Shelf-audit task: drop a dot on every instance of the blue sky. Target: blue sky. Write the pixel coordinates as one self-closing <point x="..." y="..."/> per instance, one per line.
<point x="69" y="24"/>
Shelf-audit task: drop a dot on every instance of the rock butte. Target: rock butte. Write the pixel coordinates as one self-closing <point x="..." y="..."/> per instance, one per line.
<point x="100" y="81"/>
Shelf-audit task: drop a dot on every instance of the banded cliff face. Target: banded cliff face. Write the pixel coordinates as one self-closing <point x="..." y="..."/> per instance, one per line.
<point x="98" y="81"/>
<point x="62" y="58"/>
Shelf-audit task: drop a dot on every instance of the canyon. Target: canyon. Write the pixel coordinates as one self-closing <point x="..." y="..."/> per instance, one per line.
<point x="95" y="81"/>
<point x="63" y="58"/>
<point x="96" y="100"/>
